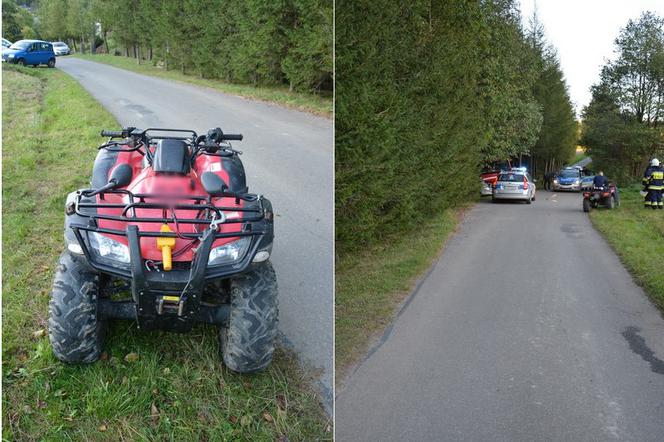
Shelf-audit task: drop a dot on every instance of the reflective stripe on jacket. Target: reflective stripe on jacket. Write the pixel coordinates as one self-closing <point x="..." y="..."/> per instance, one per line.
<point x="655" y="179"/>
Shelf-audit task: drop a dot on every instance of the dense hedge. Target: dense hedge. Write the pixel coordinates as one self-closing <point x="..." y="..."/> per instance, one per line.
<point x="426" y="92"/>
<point x="408" y="124"/>
<point x="280" y="42"/>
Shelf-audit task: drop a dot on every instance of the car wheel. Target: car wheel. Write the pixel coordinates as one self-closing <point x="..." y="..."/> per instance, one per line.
<point x="529" y="201"/>
<point x="51" y="63"/>
<point x="22" y="62"/>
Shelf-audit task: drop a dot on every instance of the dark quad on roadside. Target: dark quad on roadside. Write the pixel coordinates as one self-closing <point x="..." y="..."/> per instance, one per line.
<point x="603" y="196"/>
<point x="167" y="235"/>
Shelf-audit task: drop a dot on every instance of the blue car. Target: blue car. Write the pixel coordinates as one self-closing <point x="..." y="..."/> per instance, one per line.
<point x="30" y="53"/>
<point x="569" y="178"/>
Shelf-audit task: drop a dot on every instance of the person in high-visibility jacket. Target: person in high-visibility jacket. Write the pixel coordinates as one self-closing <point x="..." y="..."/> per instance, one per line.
<point x="654" y="181"/>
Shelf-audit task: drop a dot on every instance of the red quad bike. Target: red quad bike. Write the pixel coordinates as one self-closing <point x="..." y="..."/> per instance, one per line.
<point x="601" y="196"/>
<point x="167" y="236"/>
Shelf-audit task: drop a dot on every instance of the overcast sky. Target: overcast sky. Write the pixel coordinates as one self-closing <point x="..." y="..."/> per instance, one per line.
<point x="583" y="32"/>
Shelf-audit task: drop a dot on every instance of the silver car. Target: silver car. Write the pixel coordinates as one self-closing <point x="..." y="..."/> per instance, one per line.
<point x="60" y="48"/>
<point x="514" y="185"/>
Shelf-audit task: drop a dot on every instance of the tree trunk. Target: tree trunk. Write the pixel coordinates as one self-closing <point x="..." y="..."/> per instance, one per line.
<point x="106" y="41"/>
<point x="82" y="44"/>
<point x="138" y="53"/>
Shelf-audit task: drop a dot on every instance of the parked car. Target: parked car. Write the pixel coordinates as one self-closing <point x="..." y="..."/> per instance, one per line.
<point x="60" y="48"/>
<point x="515" y="184"/>
<point x="489" y="175"/>
<point x="587" y="178"/>
<point x="6" y="43"/>
<point x="30" y="52"/>
<point x="568" y="178"/>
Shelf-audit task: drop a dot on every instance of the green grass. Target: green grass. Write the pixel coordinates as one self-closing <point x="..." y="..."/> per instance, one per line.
<point x="178" y="389"/>
<point x="371" y="285"/>
<point x="279" y="95"/>
<point x="637" y="235"/>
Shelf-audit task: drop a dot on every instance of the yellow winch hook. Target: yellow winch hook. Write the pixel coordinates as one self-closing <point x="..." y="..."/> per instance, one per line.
<point x="166" y="245"/>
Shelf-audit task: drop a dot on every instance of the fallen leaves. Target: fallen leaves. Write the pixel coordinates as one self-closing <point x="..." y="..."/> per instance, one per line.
<point x="37" y="334"/>
<point x="131" y="357"/>
<point x="268" y="417"/>
<point x="102" y="428"/>
<point x="154" y="414"/>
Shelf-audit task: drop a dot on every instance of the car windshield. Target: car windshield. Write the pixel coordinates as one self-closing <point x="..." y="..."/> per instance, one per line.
<point x="59" y="44"/>
<point x="569" y="173"/>
<point x="23" y="44"/>
<point x="511" y="177"/>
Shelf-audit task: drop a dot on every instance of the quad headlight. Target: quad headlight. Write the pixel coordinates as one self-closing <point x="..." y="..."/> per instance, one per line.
<point x="108" y="248"/>
<point x="230" y="252"/>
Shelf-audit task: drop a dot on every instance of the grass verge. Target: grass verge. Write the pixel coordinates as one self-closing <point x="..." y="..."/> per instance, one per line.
<point x="279" y="95"/>
<point x="177" y="389"/>
<point x="637" y="235"/>
<point x="370" y="285"/>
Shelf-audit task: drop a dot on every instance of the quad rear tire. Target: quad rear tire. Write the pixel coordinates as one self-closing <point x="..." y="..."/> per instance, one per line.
<point x="76" y="334"/>
<point x="610" y="203"/>
<point x="247" y="342"/>
<point x="586" y="205"/>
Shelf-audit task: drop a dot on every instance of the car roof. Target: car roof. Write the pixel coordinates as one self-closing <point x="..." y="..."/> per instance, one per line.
<point x="34" y="41"/>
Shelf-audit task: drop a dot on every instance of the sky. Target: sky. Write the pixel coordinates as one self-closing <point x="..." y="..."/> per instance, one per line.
<point x="583" y="33"/>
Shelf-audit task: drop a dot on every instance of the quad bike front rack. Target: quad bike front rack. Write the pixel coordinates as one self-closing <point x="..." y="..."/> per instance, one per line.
<point x="151" y="288"/>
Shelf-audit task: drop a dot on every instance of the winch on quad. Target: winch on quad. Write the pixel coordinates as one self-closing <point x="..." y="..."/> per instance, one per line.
<point x="167" y="235"/>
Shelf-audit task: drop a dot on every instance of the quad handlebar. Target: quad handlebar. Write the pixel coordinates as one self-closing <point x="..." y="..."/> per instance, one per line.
<point x="114" y="133"/>
<point x="215" y="134"/>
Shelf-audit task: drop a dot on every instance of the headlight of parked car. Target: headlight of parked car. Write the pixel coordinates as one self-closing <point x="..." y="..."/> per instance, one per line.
<point x="108" y="248"/>
<point x="230" y="252"/>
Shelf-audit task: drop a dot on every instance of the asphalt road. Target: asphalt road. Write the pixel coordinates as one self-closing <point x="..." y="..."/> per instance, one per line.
<point x="288" y="156"/>
<point x="527" y="328"/>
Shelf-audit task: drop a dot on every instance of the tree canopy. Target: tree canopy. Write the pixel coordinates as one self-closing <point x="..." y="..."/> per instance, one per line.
<point x="622" y="125"/>
<point x="426" y="93"/>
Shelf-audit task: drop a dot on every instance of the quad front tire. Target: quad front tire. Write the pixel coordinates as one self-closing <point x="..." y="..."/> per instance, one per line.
<point x="247" y="342"/>
<point x="586" y="205"/>
<point x="75" y="332"/>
